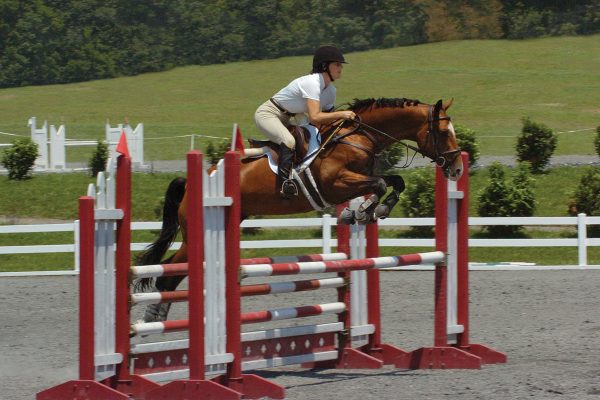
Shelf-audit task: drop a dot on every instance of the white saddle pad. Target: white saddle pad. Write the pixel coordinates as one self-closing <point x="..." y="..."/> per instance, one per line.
<point x="313" y="144"/>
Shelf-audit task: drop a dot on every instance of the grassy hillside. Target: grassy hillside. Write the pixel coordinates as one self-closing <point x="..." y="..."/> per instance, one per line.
<point x="494" y="83"/>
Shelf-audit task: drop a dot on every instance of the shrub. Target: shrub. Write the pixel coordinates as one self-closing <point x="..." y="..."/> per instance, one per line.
<point x="467" y="142"/>
<point x="20" y="158"/>
<point x="214" y="153"/>
<point x="418" y="200"/>
<point x="503" y="198"/>
<point x="536" y="144"/>
<point x="98" y="161"/>
<point x="597" y="141"/>
<point x="587" y="198"/>
<point x="389" y="158"/>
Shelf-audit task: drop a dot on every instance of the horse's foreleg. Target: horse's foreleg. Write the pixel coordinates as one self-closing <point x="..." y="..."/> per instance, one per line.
<point x="361" y="185"/>
<point x="384" y="209"/>
<point x="158" y="312"/>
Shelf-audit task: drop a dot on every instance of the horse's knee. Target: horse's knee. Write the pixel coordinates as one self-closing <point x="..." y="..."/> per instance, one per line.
<point x="380" y="187"/>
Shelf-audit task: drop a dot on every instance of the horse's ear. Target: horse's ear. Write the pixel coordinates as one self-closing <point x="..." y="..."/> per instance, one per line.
<point x="446" y="105"/>
<point x="437" y="107"/>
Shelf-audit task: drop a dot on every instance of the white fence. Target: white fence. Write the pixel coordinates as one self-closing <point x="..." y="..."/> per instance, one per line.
<point x="327" y="242"/>
<point x="52" y="143"/>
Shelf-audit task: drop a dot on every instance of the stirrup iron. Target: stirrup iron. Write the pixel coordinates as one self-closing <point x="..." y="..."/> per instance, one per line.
<point x="289" y="189"/>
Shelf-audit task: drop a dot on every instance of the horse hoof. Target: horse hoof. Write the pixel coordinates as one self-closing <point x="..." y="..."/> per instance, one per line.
<point x="381" y="212"/>
<point x="157" y="312"/>
<point x="346" y="217"/>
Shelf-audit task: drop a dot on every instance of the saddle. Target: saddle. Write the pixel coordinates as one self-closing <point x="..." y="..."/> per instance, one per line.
<point x="301" y="136"/>
<point x="302" y="176"/>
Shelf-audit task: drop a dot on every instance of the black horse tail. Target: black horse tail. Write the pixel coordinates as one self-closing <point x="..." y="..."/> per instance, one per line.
<point x="170" y="226"/>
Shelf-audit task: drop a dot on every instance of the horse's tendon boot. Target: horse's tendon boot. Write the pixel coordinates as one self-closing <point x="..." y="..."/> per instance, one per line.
<point x="382" y="211"/>
<point x="346" y="217"/>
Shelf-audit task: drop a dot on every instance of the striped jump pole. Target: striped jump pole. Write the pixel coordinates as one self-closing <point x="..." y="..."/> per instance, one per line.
<point x="319" y="267"/>
<point x="179" y="269"/>
<point x="247" y="290"/>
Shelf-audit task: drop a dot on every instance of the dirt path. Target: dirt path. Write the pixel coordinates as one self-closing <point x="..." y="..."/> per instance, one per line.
<point x="547" y="322"/>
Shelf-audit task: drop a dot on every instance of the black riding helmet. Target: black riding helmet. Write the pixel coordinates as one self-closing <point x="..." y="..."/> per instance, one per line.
<point x="325" y="55"/>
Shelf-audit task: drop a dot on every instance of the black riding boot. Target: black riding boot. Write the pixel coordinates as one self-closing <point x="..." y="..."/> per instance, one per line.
<point x="284" y="173"/>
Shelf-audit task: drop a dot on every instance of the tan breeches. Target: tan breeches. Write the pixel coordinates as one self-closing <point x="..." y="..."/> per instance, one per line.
<point x="273" y="123"/>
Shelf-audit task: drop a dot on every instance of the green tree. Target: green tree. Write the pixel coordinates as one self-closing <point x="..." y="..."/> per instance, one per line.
<point x="536" y="144"/>
<point x="507" y="198"/>
<point x="587" y="198"/>
<point x="99" y="158"/>
<point x="418" y="200"/>
<point x="467" y="141"/>
<point x="389" y="158"/>
<point x="214" y="153"/>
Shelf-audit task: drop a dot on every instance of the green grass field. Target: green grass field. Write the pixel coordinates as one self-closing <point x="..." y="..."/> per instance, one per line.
<point x="494" y="84"/>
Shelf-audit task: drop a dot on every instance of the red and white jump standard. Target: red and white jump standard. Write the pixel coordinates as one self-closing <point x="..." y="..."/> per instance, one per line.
<point x="112" y="366"/>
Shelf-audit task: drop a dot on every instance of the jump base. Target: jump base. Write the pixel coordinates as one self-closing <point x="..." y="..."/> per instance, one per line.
<point x="438" y="358"/>
<point x="81" y="390"/>
<point x="255" y="387"/>
<point x="487" y="354"/>
<point x="193" y="390"/>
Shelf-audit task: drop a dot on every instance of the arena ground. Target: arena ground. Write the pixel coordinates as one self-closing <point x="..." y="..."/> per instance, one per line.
<point x="547" y="322"/>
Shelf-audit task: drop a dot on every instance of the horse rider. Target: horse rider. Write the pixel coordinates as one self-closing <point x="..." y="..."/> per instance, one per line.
<point x="309" y="98"/>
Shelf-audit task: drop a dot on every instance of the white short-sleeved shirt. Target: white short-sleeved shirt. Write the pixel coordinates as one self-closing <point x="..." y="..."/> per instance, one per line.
<point x="293" y="96"/>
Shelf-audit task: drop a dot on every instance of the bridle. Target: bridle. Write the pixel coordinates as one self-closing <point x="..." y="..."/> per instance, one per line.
<point x="443" y="159"/>
<point x="446" y="158"/>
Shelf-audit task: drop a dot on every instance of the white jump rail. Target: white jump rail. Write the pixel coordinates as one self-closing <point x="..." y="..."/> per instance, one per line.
<point x="327" y="241"/>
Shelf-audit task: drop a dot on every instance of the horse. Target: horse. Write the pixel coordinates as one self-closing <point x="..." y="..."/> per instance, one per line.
<point x="342" y="170"/>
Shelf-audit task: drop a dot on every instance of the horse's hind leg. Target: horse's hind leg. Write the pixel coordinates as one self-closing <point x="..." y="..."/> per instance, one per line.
<point x="158" y="312"/>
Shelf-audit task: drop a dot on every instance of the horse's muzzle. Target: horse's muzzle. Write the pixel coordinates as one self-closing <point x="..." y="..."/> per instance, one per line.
<point x="451" y="164"/>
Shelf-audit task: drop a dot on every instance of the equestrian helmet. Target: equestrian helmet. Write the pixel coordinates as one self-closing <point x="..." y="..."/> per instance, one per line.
<point x="325" y="55"/>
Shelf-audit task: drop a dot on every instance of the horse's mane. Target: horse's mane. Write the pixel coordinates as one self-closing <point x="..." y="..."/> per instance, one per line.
<point x="361" y="105"/>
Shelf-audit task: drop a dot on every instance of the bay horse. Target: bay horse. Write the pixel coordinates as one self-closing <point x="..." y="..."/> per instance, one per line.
<point x="342" y="170"/>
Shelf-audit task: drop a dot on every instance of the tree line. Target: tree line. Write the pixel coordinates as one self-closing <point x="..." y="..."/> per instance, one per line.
<point x="60" y="41"/>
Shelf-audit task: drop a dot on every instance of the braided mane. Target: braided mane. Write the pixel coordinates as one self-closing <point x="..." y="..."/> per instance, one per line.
<point x="361" y="105"/>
